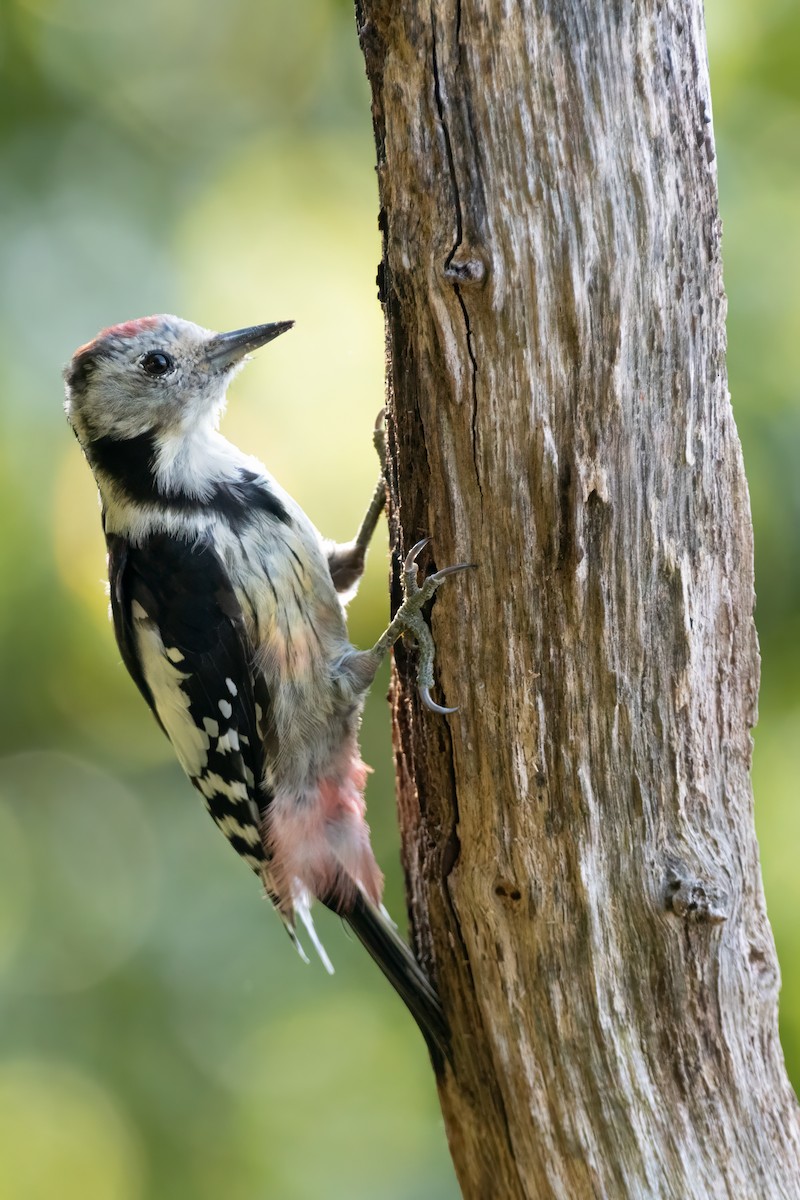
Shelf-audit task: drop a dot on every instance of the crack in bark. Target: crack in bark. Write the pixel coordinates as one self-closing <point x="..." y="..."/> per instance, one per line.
<point x="451" y="169"/>
<point x="474" y="363"/>
<point x="451" y="165"/>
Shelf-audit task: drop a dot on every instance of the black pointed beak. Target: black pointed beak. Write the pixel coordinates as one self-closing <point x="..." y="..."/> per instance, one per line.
<point x="225" y="349"/>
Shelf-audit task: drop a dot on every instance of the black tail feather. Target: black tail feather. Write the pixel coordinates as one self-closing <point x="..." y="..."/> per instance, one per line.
<point x="378" y="935"/>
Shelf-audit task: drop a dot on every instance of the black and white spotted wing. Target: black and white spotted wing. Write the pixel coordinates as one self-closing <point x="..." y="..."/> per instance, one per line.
<point x="182" y="637"/>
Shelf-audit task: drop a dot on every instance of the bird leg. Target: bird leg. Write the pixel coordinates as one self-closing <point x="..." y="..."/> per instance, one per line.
<point x="346" y="560"/>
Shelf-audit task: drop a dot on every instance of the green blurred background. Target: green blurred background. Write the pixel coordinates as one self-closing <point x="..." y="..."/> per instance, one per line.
<point x="158" y="1036"/>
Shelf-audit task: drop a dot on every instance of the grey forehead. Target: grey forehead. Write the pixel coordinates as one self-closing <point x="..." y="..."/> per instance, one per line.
<point x="170" y="331"/>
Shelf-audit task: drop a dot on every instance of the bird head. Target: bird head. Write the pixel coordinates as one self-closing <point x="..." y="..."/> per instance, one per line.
<point x="155" y="374"/>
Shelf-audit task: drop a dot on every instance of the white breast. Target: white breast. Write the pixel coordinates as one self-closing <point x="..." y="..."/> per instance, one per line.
<point x="296" y="622"/>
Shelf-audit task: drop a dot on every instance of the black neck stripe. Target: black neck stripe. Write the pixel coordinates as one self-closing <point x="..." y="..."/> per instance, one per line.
<point x="129" y="464"/>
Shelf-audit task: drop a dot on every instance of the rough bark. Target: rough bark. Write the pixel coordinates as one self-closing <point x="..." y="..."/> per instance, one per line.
<point x="582" y="864"/>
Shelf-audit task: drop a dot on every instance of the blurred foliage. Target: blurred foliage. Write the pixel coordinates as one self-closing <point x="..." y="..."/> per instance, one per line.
<point x="158" y="1037"/>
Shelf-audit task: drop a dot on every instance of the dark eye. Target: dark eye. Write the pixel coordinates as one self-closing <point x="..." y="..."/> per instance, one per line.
<point x="157" y="363"/>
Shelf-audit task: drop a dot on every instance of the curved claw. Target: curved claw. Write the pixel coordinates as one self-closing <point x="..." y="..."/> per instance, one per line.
<point x="414" y="553"/>
<point x="445" y="571"/>
<point x="429" y="702"/>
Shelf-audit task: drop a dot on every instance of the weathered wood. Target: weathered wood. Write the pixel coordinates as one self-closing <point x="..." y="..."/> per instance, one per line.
<point x="582" y="865"/>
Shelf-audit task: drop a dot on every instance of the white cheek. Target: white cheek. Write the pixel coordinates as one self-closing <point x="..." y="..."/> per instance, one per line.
<point x="125" y="407"/>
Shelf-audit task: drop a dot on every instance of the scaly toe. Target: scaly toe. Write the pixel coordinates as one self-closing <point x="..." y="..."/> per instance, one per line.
<point x="379" y="439"/>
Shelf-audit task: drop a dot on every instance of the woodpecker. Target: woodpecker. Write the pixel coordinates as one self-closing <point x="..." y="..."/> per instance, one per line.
<point x="228" y="609"/>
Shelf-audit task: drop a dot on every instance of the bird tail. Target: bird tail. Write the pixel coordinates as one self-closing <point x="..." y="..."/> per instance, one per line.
<point x="377" y="933"/>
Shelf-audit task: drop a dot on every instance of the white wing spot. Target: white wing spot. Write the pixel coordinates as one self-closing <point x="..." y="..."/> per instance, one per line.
<point x="228" y="741"/>
<point x="174" y="654"/>
<point x="211" y="727"/>
<point x="225" y="708"/>
<point x="232" y="828"/>
<point x="231" y="686"/>
<point x="212" y="784"/>
<point x="137" y="612"/>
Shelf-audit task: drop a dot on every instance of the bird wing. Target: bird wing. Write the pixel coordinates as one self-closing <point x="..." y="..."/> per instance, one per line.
<point x="182" y="637"/>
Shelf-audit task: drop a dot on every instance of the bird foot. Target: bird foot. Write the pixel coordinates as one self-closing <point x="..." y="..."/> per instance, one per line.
<point x="379" y="439"/>
<point x="409" y="619"/>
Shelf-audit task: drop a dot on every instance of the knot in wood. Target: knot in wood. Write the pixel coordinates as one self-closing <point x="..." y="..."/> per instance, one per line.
<point x="507" y="891"/>
<point x="696" y="901"/>
<point x="468" y="271"/>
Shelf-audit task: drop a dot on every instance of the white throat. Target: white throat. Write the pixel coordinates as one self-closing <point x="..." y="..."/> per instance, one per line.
<point x="192" y="461"/>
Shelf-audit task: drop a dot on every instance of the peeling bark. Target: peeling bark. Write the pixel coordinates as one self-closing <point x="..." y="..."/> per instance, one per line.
<point x="582" y="865"/>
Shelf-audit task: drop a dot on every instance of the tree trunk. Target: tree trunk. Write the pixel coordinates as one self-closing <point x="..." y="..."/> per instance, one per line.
<point x="582" y="865"/>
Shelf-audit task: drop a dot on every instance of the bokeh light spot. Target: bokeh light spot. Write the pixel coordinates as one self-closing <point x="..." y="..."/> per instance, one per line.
<point x="15" y="884"/>
<point x="92" y="858"/>
<point x="62" y="1135"/>
<point x="79" y="546"/>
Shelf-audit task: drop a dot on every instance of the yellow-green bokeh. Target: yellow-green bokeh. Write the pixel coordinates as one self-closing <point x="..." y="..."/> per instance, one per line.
<point x="158" y="1038"/>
